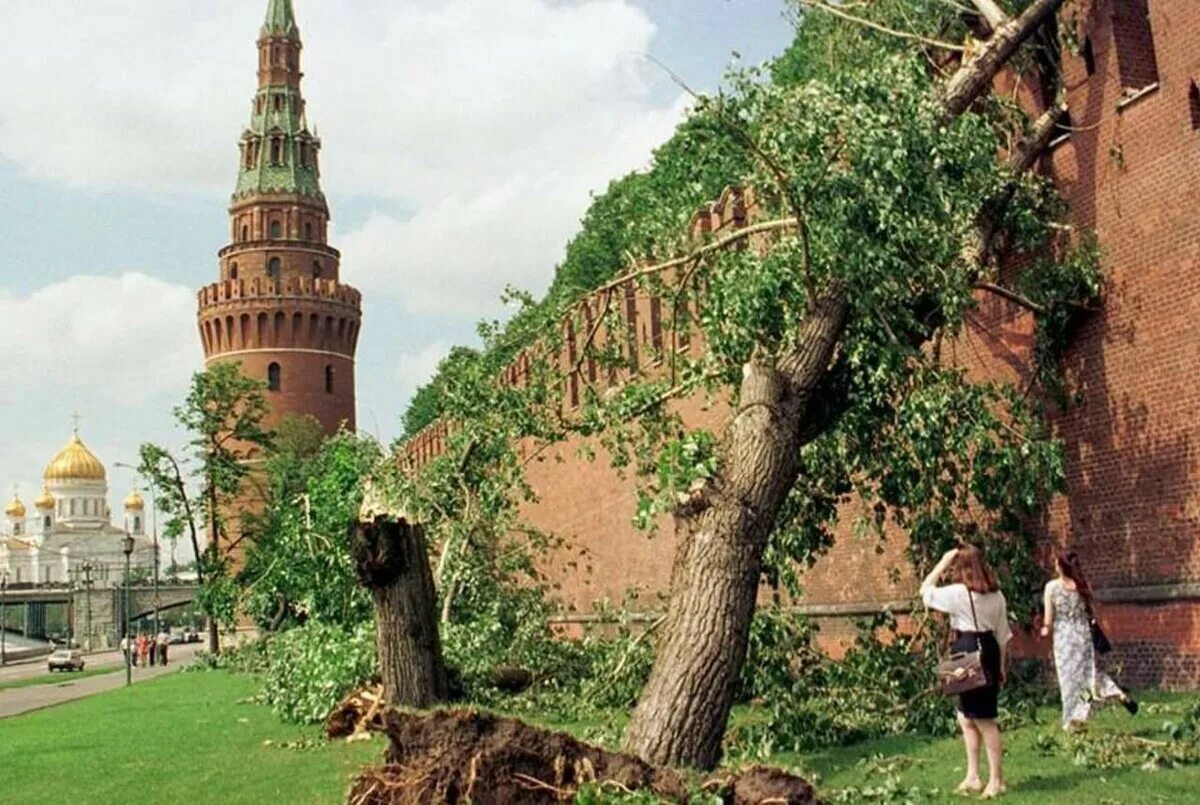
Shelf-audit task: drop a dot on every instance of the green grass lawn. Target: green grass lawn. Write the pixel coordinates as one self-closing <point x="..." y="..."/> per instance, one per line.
<point x="189" y="735"/>
<point x="182" y="738"/>
<point x="1033" y="775"/>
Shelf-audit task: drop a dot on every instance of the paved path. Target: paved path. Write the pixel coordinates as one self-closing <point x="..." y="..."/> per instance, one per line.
<point x="15" y="701"/>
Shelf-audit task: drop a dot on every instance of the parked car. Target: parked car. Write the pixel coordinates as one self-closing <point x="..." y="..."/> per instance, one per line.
<point x="65" y="659"/>
<point x="178" y="636"/>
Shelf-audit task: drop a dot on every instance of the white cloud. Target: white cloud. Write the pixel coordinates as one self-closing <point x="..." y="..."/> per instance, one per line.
<point x="493" y="120"/>
<point x="125" y="338"/>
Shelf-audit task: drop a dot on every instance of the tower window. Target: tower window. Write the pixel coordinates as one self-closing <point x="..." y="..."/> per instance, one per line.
<point x="316" y="268"/>
<point x="1089" y="56"/>
<point x="233" y="271"/>
<point x="1134" y="41"/>
<point x="276" y="150"/>
<point x="259" y="104"/>
<point x="329" y="380"/>
<point x="273" y="269"/>
<point x="245" y="232"/>
<point x="278" y="103"/>
<point x="273" y="377"/>
<point x="308" y="226"/>
<point x="276" y="230"/>
<point x="1194" y="105"/>
<point x="46" y="522"/>
<point x="137" y="523"/>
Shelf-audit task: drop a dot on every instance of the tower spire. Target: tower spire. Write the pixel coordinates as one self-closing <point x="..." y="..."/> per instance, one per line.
<point x="281" y="19"/>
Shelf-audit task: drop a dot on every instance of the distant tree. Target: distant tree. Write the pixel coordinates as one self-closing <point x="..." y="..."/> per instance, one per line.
<point x="223" y="415"/>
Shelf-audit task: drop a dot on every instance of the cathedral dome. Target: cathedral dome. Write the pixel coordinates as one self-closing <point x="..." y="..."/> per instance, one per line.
<point x="134" y="502"/>
<point x="75" y="463"/>
<point x="45" y="501"/>
<point x="16" y="508"/>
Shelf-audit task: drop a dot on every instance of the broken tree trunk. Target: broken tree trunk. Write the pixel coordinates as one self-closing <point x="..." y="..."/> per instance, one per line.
<point x="391" y="561"/>
<point x="681" y="714"/>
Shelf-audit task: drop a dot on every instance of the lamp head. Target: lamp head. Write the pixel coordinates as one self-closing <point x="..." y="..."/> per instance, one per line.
<point x="127" y="545"/>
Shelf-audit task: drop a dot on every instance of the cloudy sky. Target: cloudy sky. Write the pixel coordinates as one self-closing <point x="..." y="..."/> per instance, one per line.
<point x="461" y="141"/>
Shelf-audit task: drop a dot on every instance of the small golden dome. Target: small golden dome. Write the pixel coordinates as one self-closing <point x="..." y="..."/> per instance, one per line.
<point x="45" y="500"/>
<point x="75" y="463"/>
<point x="134" y="502"/>
<point x="16" y="508"/>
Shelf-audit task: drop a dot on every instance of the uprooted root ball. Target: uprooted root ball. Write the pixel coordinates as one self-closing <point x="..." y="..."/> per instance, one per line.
<point x="457" y="756"/>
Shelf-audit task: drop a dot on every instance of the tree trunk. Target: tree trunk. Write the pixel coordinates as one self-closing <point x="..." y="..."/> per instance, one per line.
<point x="392" y="562"/>
<point x="681" y="714"/>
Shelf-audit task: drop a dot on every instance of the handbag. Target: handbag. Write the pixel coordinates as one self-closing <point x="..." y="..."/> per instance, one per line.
<point x="963" y="671"/>
<point x="1100" y="642"/>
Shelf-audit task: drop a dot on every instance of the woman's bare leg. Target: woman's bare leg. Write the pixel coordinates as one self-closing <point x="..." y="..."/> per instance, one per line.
<point x="971" y="740"/>
<point x="993" y="744"/>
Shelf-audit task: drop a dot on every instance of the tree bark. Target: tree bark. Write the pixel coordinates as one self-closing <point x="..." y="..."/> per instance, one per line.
<point x="681" y="714"/>
<point x="974" y="78"/>
<point x="392" y="562"/>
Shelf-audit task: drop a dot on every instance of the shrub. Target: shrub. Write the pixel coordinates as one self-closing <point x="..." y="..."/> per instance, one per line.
<point x="310" y="668"/>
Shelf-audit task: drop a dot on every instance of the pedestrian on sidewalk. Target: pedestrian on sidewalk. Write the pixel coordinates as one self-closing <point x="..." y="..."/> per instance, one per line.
<point x="143" y="648"/>
<point x="163" y="640"/>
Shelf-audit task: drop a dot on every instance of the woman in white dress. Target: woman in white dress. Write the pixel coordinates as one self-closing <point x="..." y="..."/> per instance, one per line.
<point x="1068" y="607"/>
<point x="979" y="620"/>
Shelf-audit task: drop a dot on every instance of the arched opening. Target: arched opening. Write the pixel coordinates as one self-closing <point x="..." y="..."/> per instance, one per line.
<point x="316" y="271"/>
<point x="233" y="271"/>
<point x="308" y="231"/>
<point x="328" y="379"/>
<point x="276" y="230"/>
<point x="245" y="232"/>
<point x="137" y="523"/>
<point x="1194" y="105"/>
<point x="274" y="381"/>
<point x="274" y="267"/>
<point x="46" y="522"/>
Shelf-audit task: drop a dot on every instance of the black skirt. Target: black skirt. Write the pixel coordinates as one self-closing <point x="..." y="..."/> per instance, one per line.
<point x="981" y="702"/>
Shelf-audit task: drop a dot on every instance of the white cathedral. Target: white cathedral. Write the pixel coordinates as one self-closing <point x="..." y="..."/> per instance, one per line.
<point x="71" y="526"/>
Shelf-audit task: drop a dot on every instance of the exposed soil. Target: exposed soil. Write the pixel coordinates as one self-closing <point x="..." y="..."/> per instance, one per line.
<point x="453" y="756"/>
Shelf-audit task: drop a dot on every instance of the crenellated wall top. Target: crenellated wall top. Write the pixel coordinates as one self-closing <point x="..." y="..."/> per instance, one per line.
<point x="261" y="288"/>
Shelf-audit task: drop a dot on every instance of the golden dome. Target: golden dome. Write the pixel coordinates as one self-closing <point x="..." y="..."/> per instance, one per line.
<point x="134" y="502"/>
<point x="75" y="463"/>
<point x="16" y="508"/>
<point x="44" y="500"/>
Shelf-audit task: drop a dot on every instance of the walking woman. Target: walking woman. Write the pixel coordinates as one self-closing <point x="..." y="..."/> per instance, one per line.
<point x="1068" y="606"/>
<point x="978" y="619"/>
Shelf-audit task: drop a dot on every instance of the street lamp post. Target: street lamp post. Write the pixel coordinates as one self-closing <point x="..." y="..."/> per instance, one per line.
<point x="127" y="547"/>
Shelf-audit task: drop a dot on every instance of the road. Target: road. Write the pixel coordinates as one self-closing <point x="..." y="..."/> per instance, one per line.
<point x="15" y="701"/>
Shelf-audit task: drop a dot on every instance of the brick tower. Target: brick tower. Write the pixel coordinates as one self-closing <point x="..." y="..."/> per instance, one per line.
<point x="279" y="307"/>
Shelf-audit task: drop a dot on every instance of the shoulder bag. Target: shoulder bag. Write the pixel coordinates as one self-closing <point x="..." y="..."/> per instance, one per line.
<point x="963" y="671"/>
<point x="1100" y="640"/>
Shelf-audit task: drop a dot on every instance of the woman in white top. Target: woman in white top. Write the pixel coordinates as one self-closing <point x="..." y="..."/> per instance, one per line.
<point x="978" y="620"/>
<point x="1068" y="605"/>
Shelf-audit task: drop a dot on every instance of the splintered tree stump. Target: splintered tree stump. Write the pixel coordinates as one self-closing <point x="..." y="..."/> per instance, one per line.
<point x="459" y="756"/>
<point x="391" y="561"/>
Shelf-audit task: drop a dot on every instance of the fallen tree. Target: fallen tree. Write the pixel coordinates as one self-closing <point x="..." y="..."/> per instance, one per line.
<point x="783" y="398"/>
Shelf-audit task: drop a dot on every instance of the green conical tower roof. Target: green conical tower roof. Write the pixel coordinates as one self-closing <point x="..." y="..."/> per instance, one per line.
<point x="281" y="19"/>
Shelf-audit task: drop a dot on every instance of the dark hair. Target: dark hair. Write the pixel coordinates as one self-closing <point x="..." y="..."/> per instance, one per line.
<point x="971" y="569"/>
<point x="1068" y="563"/>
